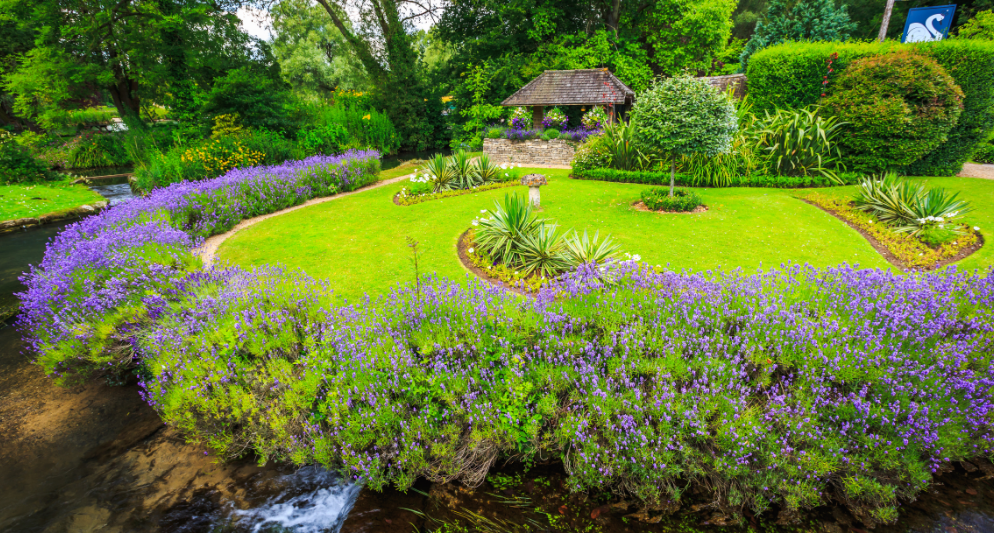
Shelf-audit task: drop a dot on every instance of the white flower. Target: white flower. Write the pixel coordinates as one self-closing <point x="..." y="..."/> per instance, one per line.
<point x="976" y="228"/>
<point x="483" y="210"/>
<point x="636" y="257"/>
<point x="475" y="222"/>
<point x="505" y="174"/>
<point x="503" y="166"/>
<point x="471" y="250"/>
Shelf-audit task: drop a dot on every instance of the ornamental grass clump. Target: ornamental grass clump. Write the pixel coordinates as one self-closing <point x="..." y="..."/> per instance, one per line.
<point x="101" y="277"/>
<point x="792" y="388"/>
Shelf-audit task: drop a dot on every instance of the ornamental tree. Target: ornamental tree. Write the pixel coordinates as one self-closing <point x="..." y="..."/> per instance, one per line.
<point x="798" y="20"/>
<point x="684" y="116"/>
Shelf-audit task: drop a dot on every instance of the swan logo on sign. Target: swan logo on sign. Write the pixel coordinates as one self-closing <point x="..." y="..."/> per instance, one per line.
<point x="928" y="24"/>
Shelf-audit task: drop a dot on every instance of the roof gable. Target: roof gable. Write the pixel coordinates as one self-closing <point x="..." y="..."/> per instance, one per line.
<point x="572" y="87"/>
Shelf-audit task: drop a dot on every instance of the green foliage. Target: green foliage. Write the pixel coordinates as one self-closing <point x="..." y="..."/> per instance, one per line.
<point x="258" y="101"/>
<point x="625" y="152"/>
<point x="514" y="237"/>
<point x="478" y="80"/>
<point x="367" y="128"/>
<point x="895" y="108"/>
<point x="792" y="75"/>
<point x="684" y="116"/>
<point x="798" y="20"/>
<point x="324" y="139"/>
<point x="659" y="199"/>
<point x="909" y="208"/>
<point x="595" y="118"/>
<point x="90" y="150"/>
<point x="18" y="165"/>
<point x="981" y="26"/>
<point x="984" y="154"/>
<point x="686" y="34"/>
<point x="550" y="134"/>
<point x="662" y="177"/>
<point x="798" y="142"/>
<point x="595" y="153"/>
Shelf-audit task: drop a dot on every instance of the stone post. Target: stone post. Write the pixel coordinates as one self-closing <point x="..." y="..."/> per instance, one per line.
<point x="533" y="182"/>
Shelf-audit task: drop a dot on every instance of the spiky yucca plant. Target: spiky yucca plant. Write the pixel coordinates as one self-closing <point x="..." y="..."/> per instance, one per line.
<point x="441" y="173"/>
<point x="500" y="234"/>
<point x="584" y="250"/>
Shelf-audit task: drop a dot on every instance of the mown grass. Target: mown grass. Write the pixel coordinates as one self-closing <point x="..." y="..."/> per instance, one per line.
<point x="358" y="243"/>
<point x="36" y="199"/>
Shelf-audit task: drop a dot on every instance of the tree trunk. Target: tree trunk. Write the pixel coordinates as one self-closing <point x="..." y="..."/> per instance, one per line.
<point x="672" y="176"/>
<point x="886" y="21"/>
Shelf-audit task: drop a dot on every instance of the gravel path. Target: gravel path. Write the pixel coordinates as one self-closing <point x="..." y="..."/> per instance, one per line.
<point x="208" y="251"/>
<point x="974" y="170"/>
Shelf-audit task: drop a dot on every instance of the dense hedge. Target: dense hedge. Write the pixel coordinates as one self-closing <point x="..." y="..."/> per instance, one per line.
<point x="659" y="177"/>
<point x="791" y="75"/>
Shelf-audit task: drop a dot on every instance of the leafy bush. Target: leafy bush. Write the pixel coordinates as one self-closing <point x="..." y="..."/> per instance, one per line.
<point x="323" y="139"/>
<point x="550" y="134"/>
<point x="366" y="127"/>
<point x="657" y="177"/>
<point x="257" y="99"/>
<point x="981" y="26"/>
<point x="798" y="143"/>
<point x="626" y="152"/>
<point x="895" y="108"/>
<point x="658" y="199"/>
<point x="595" y="153"/>
<point x="90" y="150"/>
<point x="495" y="133"/>
<point x="205" y="159"/>
<point x="909" y="208"/>
<point x="18" y="165"/>
<point x="792" y="75"/>
<point x="785" y="21"/>
<point x="984" y="154"/>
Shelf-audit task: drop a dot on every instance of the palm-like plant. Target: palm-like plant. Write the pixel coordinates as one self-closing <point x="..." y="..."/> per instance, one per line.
<point x="465" y="171"/>
<point x="799" y="143"/>
<point x="583" y="250"/>
<point x="441" y="173"/>
<point x="486" y="170"/>
<point x="625" y="154"/>
<point x="499" y="234"/>
<point x="542" y="251"/>
<point x="907" y="207"/>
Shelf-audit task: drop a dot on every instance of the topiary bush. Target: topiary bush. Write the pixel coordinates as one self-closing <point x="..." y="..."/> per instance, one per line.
<point x="796" y="75"/>
<point x="984" y="154"/>
<point x="894" y="109"/>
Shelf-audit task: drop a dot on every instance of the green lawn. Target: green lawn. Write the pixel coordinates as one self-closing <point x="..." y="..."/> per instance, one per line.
<point x="31" y="200"/>
<point x="358" y="243"/>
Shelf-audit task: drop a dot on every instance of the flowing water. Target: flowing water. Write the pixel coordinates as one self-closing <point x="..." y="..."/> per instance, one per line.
<point x="96" y="458"/>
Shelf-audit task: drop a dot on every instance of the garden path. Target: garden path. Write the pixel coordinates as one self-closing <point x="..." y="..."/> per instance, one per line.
<point x="208" y="250"/>
<point x="975" y="170"/>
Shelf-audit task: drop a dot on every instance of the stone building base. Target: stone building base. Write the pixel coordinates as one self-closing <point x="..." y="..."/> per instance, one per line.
<point x="533" y="152"/>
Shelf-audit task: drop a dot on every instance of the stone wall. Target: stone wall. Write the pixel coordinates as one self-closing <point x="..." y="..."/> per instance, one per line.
<point x="533" y="152"/>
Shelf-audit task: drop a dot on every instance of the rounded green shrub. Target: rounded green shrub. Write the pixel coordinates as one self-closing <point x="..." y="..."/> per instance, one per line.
<point x="682" y="201"/>
<point x="894" y="108"/>
<point x="550" y="134"/>
<point x="18" y="165"/>
<point x="595" y="153"/>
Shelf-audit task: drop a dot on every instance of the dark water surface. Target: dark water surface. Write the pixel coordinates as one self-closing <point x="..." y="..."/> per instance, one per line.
<point x="96" y="458"/>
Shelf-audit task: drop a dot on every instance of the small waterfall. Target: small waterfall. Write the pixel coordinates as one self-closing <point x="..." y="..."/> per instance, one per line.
<point x="315" y="500"/>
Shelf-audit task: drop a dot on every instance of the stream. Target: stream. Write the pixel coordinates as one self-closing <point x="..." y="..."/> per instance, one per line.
<point x="96" y="458"/>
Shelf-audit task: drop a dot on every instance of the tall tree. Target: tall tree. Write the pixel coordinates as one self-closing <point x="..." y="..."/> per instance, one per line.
<point x="126" y="49"/>
<point x="382" y="40"/>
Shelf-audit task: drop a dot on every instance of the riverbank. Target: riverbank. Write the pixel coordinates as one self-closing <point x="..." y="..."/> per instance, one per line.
<point x="32" y="204"/>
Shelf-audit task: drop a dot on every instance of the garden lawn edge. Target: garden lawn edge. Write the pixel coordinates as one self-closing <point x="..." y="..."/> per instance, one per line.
<point x="208" y="250"/>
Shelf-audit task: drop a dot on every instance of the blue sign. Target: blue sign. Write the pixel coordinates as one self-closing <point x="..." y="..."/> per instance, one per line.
<point x="928" y="24"/>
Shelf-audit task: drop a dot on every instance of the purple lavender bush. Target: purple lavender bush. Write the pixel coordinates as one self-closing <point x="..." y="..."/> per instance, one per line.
<point x="795" y="387"/>
<point x="92" y="290"/>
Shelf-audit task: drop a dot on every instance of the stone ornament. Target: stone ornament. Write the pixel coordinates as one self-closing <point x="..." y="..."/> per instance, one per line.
<point x="533" y="182"/>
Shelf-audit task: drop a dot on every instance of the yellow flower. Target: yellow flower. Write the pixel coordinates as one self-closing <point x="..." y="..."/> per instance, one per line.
<point x="366" y="117"/>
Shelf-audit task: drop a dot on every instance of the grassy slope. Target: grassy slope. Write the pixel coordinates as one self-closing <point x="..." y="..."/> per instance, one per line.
<point x="358" y="242"/>
<point x="31" y="200"/>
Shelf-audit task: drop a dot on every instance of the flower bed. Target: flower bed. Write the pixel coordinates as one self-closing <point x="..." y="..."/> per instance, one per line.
<point x="794" y="388"/>
<point x="406" y="197"/>
<point x="103" y="276"/>
<point x="905" y="250"/>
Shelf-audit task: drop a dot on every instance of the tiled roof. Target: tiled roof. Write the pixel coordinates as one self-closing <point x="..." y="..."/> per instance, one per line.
<point x="572" y="87"/>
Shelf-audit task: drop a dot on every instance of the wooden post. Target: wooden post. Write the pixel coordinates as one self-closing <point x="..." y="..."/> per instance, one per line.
<point x="538" y="113"/>
<point x="886" y="21"/>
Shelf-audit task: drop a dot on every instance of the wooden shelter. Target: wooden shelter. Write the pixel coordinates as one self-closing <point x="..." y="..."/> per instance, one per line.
<point x="588" y="87"/>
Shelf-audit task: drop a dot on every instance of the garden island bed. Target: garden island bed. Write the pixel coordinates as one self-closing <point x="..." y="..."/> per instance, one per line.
<point x="32" y="204"/>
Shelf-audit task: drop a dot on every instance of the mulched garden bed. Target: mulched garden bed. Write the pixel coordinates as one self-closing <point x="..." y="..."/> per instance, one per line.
<point x="882" y="249"/>
<point x="640" y="206"/>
